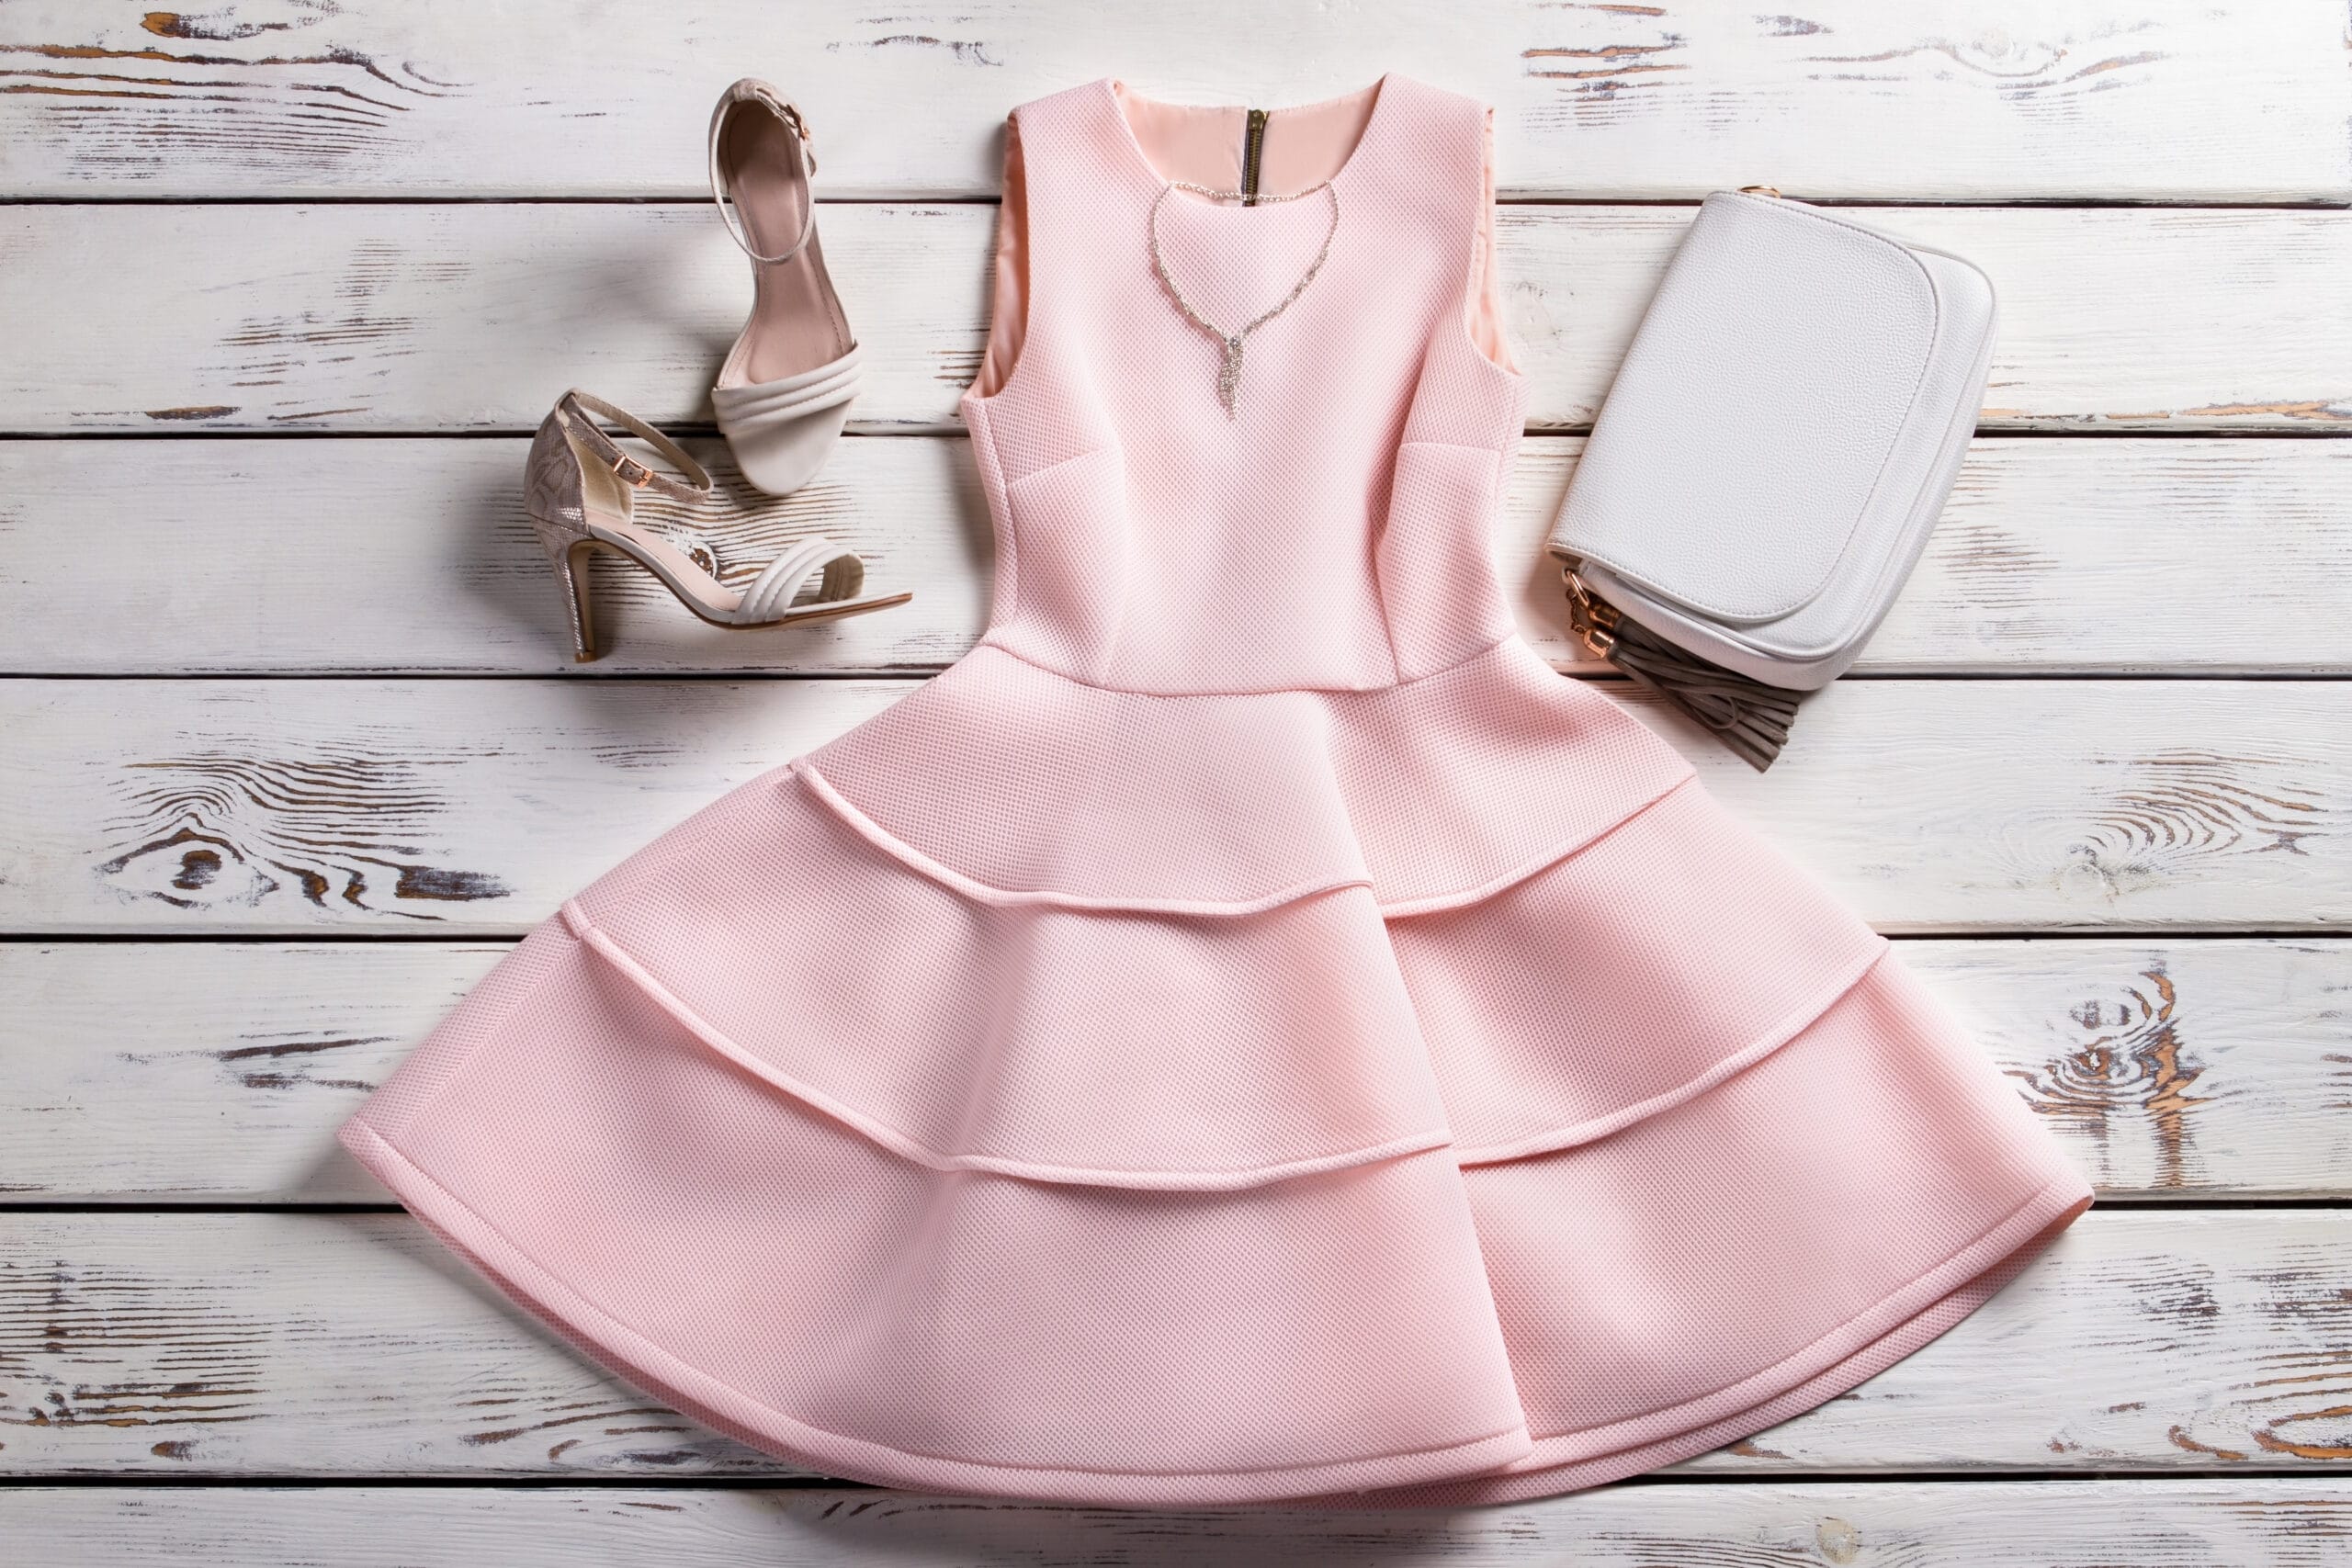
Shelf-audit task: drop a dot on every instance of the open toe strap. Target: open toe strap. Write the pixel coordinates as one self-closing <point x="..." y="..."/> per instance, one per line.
<point x="772" y="592"/>
<point x="792" y="398"/>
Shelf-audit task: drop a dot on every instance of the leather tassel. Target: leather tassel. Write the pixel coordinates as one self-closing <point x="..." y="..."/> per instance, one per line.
<point x="1750" y="717"/>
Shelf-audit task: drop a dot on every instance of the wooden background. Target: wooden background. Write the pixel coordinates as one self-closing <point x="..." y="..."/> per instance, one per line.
<point x="289" y="746"/>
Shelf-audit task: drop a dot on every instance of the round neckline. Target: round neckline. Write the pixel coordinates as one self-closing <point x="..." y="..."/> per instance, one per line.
<point x="1112" y="87"/>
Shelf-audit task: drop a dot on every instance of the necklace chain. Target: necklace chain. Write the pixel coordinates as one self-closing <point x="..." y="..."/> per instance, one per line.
<point x="1229" y="375"/>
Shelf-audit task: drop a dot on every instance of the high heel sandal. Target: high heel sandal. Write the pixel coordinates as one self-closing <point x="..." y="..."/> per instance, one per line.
<point x="581" y="489"/>
<point x="783" y="393"/>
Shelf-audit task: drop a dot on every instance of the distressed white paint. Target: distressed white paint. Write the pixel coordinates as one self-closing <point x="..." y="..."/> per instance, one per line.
<point x="460" y="808"/>
<point x="289" y="1345"/>
<point x="2278" y="1522"/>
<point x="377" y="556"/>
<point x="1996" y="98"/>
<point x="475" y="317"/>
<point x="134" y="1073"/>
<point x="139" y="1344"/>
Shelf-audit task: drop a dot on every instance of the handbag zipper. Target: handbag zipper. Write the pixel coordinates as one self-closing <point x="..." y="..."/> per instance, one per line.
<point x="1592" y="617"/>
<point x="1253" y="150"/>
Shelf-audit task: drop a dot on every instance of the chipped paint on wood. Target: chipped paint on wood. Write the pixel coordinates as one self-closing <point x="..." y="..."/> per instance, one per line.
<point x="453" y="577"/>
<point x="281" y="1345"/>
<point x="104" y="1353"/>
<point x="2132" y="1067"/>
<point x="456" y="583"/>
<point x="2334" y="411"/>
<point x="108" y="1345"/>
<point x="2175" y="807"/>
<point x="104" y="110"/>
<point x="2172" y="1069"/>
<point x="294" y="1063"/>
<point x="245" y="806"/>
<point x="257" y="807"/>
<point x="351" y="1344"/>
<point x="2286" y="1521"/>
<point x="221" y="1073"/>
<point x="2187" y="1444"/>
<point x="222" y="830"/>
<point x="2010" y="99"/>
<point x="136" y="1071"/>
<point x="408" y="318"/>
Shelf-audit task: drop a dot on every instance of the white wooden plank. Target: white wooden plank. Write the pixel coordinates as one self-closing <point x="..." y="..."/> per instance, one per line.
<point x="416" y="555"/>
<point x="475" y="317"/>
<point x="172" y="1072"/>
<point x="387" y="778"/>
<point x="135" y="1072"/>
<point x="464" y="807"/>
<point x="2042" y="98"/>
<point x="2273" y="1522"/>
<point x="294" y="1344"/>
<point x="379" y="556"/>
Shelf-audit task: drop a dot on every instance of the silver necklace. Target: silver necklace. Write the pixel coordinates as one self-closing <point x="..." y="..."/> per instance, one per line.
<point x="1229" y="375"/>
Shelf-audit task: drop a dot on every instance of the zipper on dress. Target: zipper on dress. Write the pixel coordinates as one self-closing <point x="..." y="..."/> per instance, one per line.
<point x="1253" y="150"/>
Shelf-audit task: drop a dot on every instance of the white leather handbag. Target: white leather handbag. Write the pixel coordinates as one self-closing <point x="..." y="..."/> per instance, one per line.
<point x="1776" y="448"/>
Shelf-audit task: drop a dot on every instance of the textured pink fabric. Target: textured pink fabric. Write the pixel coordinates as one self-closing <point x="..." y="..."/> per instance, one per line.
<point x="1204" y="144"/>
<point x="1249" y="1030"/>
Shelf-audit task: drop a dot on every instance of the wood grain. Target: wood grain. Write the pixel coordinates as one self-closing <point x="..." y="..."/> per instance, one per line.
<point x="293" y="1345"/>
<point x="140" y="1073"/>
<point x="428" y="319"/>
<point x="2037" y="99"/>
<point x="139" y="1345"/>
<point x="471" y="807"/>
<point x="2278" y="1522"/>
<point x="381" y="556"/>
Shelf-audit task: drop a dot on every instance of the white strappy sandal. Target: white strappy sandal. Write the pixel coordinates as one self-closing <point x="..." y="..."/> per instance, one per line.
<point x="581" y="489"/>
<point x="783" y="394"/>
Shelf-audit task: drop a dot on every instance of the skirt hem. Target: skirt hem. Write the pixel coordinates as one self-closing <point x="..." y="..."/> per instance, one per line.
<point x="1902" y="1323"/>
<point x="630" y="1356"/>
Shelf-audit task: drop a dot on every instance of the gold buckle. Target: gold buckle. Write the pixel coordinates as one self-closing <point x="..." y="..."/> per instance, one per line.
<point x="631" y="472"/>
<point x="786" y="111"/>
<point x="790" y="113"/>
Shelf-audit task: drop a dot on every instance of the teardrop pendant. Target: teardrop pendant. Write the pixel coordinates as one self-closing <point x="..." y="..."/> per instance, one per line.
<point x="1229" y="375"/>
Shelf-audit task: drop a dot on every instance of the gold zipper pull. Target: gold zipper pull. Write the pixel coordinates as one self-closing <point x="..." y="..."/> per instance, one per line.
<point x="1254" y="153"/>
<point x="1592" y="618"/>
<point x="1759" y="190"/>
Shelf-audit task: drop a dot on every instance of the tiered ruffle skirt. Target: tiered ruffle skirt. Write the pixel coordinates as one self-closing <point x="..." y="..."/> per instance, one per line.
<point x="1058" y="1091"/>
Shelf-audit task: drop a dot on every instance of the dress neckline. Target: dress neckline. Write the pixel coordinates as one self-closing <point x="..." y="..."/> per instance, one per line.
<point x="1113" y="91"/>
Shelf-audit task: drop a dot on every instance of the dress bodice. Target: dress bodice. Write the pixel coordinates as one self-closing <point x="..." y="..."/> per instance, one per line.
<point x="1331" y="533"/>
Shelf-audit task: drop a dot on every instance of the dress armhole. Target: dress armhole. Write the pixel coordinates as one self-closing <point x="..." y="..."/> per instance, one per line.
<point x="1008" y="313"/>
<point x="1485" y="303"/>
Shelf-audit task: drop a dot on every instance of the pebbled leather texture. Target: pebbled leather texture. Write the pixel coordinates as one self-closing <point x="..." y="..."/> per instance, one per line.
<point x="1782" y="434"/>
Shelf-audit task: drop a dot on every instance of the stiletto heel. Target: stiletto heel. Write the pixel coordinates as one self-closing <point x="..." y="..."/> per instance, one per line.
<point x="783" y="393"/>
<point x="581" y="491"/>
<point x="572" y="575"/>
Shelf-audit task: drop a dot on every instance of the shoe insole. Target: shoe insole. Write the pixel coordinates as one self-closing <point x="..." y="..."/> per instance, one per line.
<point x="797" y="322"/>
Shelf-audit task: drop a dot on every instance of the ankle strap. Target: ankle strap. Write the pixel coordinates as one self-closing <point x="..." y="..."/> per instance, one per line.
<point x="750" y="90"/>
<point x="578" y="411"/>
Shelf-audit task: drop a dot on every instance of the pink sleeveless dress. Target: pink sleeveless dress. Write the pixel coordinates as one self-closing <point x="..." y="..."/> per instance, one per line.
<point x="1250" y="1029"/>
